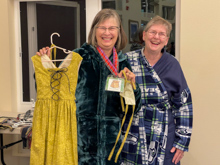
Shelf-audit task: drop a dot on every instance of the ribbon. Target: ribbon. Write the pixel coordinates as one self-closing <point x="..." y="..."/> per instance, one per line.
<point x="112" y="67"/>
<point x="123" y="120"/>
<point x="55" y="77"/>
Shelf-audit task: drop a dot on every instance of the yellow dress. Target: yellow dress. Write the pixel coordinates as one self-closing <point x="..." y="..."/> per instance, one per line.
<point x="54" y="132"/>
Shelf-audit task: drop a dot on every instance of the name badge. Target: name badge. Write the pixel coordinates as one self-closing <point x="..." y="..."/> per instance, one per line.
<point x="114" y="84"/>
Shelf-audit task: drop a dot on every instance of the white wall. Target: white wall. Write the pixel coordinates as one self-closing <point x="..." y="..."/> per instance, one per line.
<point x="5" y="67"/>
<point x="199" y="57"/>
<point x="92" y="7"/>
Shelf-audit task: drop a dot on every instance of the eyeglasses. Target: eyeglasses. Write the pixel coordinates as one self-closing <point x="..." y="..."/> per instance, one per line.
<point x="111" y="29"/>
<point x="162" y="35"/>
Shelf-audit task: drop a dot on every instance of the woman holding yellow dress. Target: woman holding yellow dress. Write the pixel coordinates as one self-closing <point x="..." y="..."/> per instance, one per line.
<point x="99" y="112"/>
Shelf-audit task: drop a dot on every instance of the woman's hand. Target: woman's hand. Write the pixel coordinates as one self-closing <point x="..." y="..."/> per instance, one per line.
<point x="178" y="155"/>
<point x="44" y="50"/>
<point x="130" y="75"/>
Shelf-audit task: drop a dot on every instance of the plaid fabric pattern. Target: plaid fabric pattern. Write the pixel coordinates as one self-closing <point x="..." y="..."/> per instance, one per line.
<point x="108" y="63"/>
<point x="149" y="130"/>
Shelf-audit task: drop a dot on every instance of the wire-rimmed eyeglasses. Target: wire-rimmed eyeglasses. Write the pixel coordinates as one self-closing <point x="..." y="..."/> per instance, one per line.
<point x="110" y="29"/>
<point x="161" y="35"/>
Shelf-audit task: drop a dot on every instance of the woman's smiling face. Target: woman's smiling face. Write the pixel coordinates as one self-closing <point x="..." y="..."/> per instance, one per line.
<point x="155" y="38"/>
<point x="107" y="34"/>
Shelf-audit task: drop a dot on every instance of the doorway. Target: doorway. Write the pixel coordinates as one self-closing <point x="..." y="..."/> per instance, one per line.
<point x="38" y="20"/>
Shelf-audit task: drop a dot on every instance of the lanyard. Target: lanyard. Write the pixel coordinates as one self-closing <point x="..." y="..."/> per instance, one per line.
<point x="125" y="110"/>
<point x="112" y="67"/>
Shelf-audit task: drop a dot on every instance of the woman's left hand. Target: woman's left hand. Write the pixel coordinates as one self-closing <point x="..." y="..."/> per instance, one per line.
<point x="130" y="75"/>
<point x="178" y="155"/>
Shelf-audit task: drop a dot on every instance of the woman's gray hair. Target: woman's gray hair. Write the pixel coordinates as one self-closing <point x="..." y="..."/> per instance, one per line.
<point x="159" y="20"/>
<point x="99" y="18"/>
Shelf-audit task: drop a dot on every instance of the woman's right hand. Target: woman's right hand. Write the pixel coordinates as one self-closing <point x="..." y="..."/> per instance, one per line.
<point x="44" y="50"/>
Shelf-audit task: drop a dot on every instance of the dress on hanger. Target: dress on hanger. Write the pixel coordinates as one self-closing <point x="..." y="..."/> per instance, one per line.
<point x="54" y="136"/>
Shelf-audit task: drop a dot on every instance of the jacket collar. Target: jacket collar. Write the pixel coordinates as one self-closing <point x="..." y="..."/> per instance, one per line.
<point x="95" y="54"/>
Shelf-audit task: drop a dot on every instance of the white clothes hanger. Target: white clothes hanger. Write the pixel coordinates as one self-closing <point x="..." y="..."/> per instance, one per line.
<point x="64" y="50"/>
<point x="51" y="40"/>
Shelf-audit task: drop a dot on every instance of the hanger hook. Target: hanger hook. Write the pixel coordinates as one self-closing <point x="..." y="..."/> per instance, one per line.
<point x="51" y="37"/>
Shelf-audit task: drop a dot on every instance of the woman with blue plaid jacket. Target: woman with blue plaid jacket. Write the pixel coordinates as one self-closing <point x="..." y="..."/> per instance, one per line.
<point x="161" y="131"/>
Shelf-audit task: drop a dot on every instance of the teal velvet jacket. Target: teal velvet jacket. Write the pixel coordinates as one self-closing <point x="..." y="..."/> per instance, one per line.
<point x="99" y="112"/>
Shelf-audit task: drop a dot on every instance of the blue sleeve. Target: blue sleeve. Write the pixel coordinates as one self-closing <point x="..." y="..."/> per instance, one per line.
<point x="171" y="74"/>
<point x="183" y="115"/>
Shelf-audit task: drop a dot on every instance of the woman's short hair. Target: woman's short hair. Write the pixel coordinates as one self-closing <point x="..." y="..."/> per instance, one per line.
<point x="99" y="18"/>
<point x="159" y="20"/>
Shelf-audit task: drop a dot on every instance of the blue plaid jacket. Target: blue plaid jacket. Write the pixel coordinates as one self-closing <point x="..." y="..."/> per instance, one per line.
<point x="147" y="140"/>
